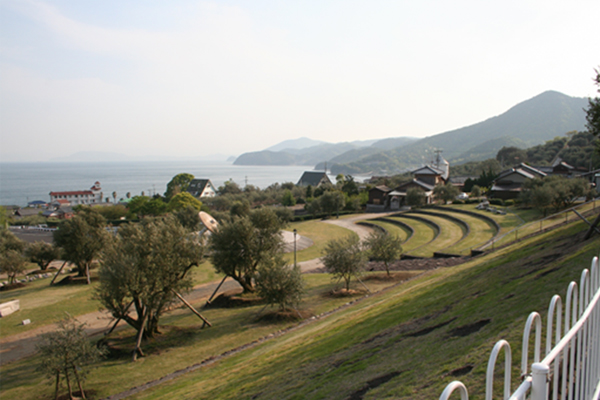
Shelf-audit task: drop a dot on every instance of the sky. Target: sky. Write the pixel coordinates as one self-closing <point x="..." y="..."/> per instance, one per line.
<point x="196" y="78"/>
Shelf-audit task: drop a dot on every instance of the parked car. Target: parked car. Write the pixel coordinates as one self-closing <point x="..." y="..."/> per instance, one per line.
<point x="462" y="196"/>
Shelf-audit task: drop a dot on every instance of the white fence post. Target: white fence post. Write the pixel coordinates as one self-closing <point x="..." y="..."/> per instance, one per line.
<point x="539" y="385"/>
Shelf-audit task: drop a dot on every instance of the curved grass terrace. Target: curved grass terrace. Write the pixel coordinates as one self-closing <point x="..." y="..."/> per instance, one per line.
<point x="424" y="233"/>
<point x="450" y="233"/>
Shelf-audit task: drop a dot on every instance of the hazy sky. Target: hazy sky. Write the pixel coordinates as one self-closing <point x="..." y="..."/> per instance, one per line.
<point x="199" y="77"/>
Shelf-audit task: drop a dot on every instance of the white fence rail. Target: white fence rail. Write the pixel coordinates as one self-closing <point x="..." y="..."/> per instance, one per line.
<point x="569" y="370"/>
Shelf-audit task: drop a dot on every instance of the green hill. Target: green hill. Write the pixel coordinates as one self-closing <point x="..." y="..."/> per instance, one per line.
<point x="408" y="341"/>
<point x="529" y="123"/>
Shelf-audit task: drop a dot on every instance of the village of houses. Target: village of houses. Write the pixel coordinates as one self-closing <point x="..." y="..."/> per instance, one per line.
<point x="507" y="185"/>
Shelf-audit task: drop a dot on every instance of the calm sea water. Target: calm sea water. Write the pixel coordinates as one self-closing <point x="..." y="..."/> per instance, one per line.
<point x="21" y="183"/>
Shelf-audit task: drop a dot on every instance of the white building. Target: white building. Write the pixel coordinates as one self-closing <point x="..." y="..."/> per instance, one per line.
<point x="77" y="197"/>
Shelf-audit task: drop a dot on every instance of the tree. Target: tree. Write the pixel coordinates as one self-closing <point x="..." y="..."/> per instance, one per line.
<point x="553" y="192"/>
<point x="8" y="241"/>
<point x="415" y="197"/>
<point x="4" y="218"/>
<point x="154" y="207"/>
<point x="67" y="352"/>
<point x="511" y="156"/>
<point x="476" y="191"/>
<point x="349" y="186"/>
<point x="12" y="263"/>
<point x="42" y="254"/>
<point x="183" y="200"/>
<point x="593" y="112"/>
<point x="288" y="199"/>
<point x="309" y="192"/>
<point x="332" y="202"/>
<point x="447" y="192"/>
<point x="136" y="204"/>
<point x="178" y="184"/>
<point x="143" y="267"/>
<point x="344" y="258"/>
<point x="82" y="238"/>
<point x="278" y="283"/>
<point x="189" y="218"/>
<point x="240" y="246"/>
<point x="383" y="247"/>
<point x="229" y="187"/>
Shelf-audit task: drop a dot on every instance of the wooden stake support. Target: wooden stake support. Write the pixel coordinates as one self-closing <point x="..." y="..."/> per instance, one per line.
<point x="58" y="273"/>
<point x="215" y="292"/>
<point x="192" y="309"/>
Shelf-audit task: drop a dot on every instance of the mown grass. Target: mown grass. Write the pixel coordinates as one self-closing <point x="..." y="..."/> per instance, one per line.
<point x="43" y="304"/>
<point x="182" y="343"/>
<point x="320" y="233"/>
<point x="480" y="231"/>
<point x="423" y="234"/>
<point x="450" y="232"/>
<point x="393" y="229"/>
<point x="405" y="339"/>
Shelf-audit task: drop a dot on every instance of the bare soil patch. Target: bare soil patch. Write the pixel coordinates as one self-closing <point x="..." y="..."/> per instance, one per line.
<point x="12" y="286"/>
<point x="285" y="316"/>
<point x="469" y="329"/>
<point x="345" y="293"/>
<point x="233" y="299"/>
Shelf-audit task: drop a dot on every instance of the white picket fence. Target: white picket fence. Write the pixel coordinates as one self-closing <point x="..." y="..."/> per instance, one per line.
<point x="570" y="369"/>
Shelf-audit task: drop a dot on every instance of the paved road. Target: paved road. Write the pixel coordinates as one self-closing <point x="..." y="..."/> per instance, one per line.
<point x="15" y="347"/>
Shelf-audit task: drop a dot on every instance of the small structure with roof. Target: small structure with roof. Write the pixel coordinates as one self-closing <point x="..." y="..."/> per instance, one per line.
<point x="509" y="184"/>
<point x="201" y="188"/>
<point x="314" y="179"/>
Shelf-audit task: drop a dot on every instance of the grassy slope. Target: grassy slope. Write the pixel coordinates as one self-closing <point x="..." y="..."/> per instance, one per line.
<point x="384" y="336"/>
<point x="423" y="234"/>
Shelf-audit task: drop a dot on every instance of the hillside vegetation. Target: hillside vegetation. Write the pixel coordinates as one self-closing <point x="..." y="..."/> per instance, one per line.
<point x="409" y="341"/>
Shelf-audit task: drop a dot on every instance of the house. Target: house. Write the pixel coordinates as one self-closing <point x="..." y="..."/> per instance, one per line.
<point x="425" y="178"/>
<point x="77" y="197"/>
<point x="314" y="179"/>
<point x="56" y="210"/>
<point x="201" y="188"/>
<point x="509" y="184"/>
<point x="397" y="197"/>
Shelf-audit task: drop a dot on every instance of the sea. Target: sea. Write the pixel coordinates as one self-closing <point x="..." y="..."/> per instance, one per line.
<point x="22" y="183"/>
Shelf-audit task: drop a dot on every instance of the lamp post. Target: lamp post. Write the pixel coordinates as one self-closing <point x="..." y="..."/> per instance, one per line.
<point x="295" y="231"/>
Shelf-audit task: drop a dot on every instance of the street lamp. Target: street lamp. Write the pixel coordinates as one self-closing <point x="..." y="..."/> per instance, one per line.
<point x="295" y="231"/>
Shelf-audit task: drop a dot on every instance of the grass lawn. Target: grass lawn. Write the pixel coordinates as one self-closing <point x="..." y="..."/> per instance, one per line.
<point x="450" y="233"/>
<point x="394" y="229"/>
<point x="407" y="342"/>
<point x="480" y="231"/>
<point x="44" y="304"/>
<point x="182" y="343"/>
<point x="320" y="233"/>
<point x="423" y="234"/>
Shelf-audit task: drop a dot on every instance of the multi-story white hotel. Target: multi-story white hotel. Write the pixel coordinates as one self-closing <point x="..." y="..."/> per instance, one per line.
<point x="91" y="196"/>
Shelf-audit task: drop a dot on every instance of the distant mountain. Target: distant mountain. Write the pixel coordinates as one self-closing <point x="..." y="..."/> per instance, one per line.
<point x="306" y="156"/>
<point x="529" y="123"/>
<point x="300" y="143"/>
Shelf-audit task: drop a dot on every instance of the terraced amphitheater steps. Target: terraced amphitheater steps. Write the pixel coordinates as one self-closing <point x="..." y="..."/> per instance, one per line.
<point x="404" y="231"/>
<point x="421" y="239"/>
<point x="452" y="232"/>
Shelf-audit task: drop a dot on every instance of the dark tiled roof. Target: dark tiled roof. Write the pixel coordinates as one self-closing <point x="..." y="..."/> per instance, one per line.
<point x="312" y="178"/>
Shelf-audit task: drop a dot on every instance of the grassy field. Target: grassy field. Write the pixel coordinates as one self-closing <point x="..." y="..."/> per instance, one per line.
<point x="450" y="232"/>
<point x="480" y="231"/>
<point x="394" y="229"/>
<point x="320" y="233"/>
<point x="182" y="342"/>
<point x="405" y="343"/>
<point x="44" y="304"/>
<point x="423" y="234"/>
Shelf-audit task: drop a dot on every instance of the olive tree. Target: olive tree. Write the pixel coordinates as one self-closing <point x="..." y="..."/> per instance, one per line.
<point x="384" y="247"/>
<point x="42" y="254"/>
<point x="143" y="268"/>
<point x="12" y="263"/>
<point x="239" y="246"/>
<point x="279" y="283"/>
<point x="67" y="352"/>
<point x="82" y="238"/>
<point x="415" y="197"/>
<point x="344" y="258"/>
